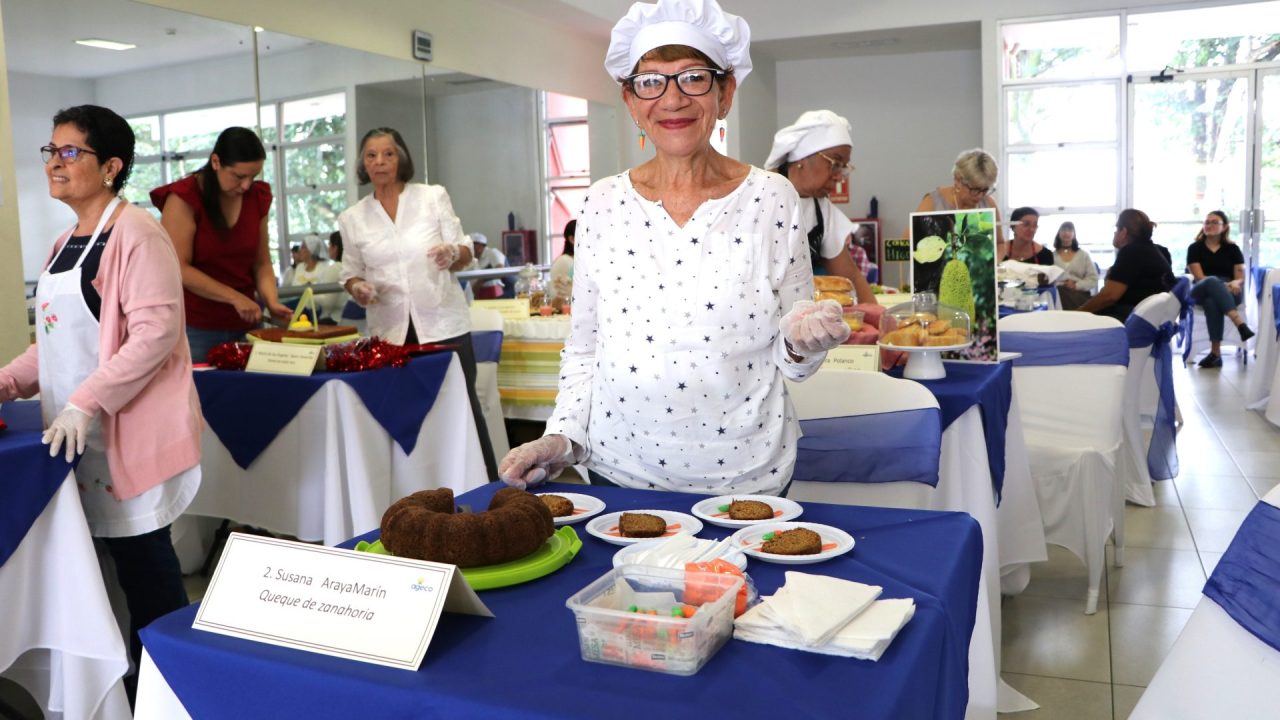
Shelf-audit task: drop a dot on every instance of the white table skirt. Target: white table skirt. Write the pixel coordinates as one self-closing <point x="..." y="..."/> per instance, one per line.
<point x="60" y="640"/>
<point x="1012" y="535"/>
<point x="333" y="470"/>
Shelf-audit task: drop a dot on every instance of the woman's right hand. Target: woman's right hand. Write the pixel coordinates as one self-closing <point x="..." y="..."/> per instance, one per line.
<point x="364" y="293"/>
<point x="533" y="462"/>
<point x="249" y="310"/>
<point x="1069" y="284"/>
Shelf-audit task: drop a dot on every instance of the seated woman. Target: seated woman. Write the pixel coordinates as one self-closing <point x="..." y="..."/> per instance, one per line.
<point x="1217" y="265"/>
<point x="1023" y="247"/>
<point x="1081" y="277"/>
<point x="315" y="268"/>
<point x="1140" y="269"/>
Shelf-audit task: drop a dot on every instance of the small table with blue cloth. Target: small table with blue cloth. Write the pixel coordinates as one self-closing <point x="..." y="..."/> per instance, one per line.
<point x="525" y="661"/>
<point x="60" y="640"/>
<point x="321" y="457"/>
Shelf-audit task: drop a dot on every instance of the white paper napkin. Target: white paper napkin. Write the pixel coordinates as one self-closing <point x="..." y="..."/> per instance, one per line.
<point x="812" y="608"/>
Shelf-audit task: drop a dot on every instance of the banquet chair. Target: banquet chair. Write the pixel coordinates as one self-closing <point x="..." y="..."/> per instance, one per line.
<point x="1070" y="385"/>
<point x="1196" y="339"/>
<point x="484" y="324"/>
<point x="1257" y="391"/>
<point x="1226" y="661"/>
<point x="1150" y="329"/>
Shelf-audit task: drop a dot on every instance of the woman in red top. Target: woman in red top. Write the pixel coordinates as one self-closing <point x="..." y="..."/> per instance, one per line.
<point x="217" y="217"/>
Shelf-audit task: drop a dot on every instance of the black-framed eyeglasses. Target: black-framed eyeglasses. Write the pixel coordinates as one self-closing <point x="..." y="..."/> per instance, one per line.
<point x="69" y="153"/>
<point x="838" y="167"/>
<point x="979" y="191"/>
<point x="691" y="81"/>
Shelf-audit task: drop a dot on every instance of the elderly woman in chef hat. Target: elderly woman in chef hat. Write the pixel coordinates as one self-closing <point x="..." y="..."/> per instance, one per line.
<point x="691" y="286"/>
<point x="814" y="155"/>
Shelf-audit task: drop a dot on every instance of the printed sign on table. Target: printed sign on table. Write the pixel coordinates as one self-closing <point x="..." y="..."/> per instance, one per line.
<point x="953" y="255"/>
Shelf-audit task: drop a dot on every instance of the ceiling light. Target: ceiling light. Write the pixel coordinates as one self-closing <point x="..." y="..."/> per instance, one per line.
<point x="259" y="28"/>
<point x="106" y="44"/>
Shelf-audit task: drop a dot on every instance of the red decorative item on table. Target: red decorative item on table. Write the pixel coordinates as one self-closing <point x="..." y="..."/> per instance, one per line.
<point x="354" y="356"/>
<point x="230" y="355"/>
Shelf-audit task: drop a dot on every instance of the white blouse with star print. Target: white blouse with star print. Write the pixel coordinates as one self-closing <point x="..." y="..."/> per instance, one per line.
<point x="672" y="373"/>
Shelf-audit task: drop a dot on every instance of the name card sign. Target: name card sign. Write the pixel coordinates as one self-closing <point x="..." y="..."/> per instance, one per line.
<point x="853" y="358"/>
<point x="508" y="308"/>
<point x="284" y="359"/>
<point x="371" y="608"/>
<point x="897" y="249"/>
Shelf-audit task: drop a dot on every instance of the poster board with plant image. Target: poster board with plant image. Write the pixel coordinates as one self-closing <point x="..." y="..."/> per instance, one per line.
<point x="953" y="255"/>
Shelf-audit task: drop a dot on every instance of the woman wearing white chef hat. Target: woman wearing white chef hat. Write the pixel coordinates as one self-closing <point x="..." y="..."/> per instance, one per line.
<point x="814" y="155"/>
<point x="691" y="286"/>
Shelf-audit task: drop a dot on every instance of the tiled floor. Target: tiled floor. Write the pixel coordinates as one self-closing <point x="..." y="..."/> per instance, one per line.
<point x="1095" y="667"/>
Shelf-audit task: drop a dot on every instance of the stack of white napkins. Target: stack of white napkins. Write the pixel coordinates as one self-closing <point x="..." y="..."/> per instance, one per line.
<point x="826" y="615"/>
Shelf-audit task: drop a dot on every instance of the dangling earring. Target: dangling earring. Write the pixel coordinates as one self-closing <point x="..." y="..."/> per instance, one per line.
<point x="642" y="138"/>
<point x="721" y="133"/>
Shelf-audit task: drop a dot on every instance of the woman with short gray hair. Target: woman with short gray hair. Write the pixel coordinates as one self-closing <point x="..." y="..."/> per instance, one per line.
<point x="973" y="185"/>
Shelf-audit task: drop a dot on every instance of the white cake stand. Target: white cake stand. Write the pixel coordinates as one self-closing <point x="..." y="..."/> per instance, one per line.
<point x="925" y="363"/>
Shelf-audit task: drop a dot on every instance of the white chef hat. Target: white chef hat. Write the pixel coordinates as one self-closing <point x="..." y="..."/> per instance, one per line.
<point x="479" y="238"/>
<point x="815" y="130"/>
<point x="699" y="24"/>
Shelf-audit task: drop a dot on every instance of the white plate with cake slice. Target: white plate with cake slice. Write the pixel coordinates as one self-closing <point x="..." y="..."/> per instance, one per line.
<point x="584" y="506"/>
<point x="719" y="511"/>
<point x="609" y="527"/>
<point x="831" y="542"/>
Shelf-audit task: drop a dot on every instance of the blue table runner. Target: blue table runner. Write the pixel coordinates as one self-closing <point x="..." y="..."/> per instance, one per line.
<point x="30" y="478"/>
<point x="1246" y="581"/>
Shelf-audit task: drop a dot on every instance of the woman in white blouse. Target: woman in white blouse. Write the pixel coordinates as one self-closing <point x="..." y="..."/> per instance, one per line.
<point x="401" y="245"/>
<point x="1081" y="277"/>
<point x="691" y="287"/>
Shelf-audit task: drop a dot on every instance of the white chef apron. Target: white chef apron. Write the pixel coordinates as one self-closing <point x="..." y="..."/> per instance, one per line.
<point x="67" y="341"/>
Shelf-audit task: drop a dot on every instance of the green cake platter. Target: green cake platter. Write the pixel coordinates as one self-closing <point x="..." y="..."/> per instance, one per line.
<point x="555" y="553"/>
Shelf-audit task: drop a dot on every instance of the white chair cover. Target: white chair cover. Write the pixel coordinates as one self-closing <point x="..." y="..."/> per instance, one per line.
<point x="487" y="384"/>
<point x="1157" y="310"/>
<point x="964" y="484"/>
<point x="1071" y="417"/>
<point x="1216" y="669"/>
<point x="1199" y="338"/>
<point x="1257" y="392"/>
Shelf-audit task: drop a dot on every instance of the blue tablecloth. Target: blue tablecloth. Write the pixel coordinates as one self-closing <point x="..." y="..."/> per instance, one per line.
<point x="990" y="387"/>
<point x="30" y="477"/>
<point x="525" y="662"/>
<point x="487" y="345"/>
<point x="247" y="410"/>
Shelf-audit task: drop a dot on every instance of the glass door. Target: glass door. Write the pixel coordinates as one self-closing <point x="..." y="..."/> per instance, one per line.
<point x="1266" y="204"/>
<point x="1190" y="152"/>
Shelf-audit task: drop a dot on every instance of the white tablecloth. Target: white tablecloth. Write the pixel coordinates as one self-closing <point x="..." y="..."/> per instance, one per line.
<point x="60" y="640"/>
<point x="333" y="470"/>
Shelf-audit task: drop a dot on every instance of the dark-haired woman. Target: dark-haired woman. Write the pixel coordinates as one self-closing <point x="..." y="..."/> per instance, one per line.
<point x="217" y="218"/>
<point x="401" y="245"/>
<point x="1080" y="276"/>
<point x="1217" y="265"/>
<point x="1141" y="268"/>
<point x="110" y="363"/>
<point x="1023" y="247"/>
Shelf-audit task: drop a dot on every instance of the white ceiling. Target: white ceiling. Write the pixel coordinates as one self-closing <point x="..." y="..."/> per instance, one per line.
<point x="40" y="35"/>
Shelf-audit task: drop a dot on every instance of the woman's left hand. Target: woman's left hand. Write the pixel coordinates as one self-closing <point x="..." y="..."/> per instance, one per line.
<point x="811" y="328"/>
<point x="72" y="427"/>
<point x="443" y="255"/>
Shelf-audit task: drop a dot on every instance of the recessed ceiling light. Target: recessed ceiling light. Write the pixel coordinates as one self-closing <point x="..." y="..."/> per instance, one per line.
<point x="106" y="44"/>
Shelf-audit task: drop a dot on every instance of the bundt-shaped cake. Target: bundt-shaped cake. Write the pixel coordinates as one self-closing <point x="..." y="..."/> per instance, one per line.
<point x="424" y="526"/>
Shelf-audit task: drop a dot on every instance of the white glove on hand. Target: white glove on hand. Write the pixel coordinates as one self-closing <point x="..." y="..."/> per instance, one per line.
<point x="72" y="427"/>
<point x="813" y="328"/>
<point x="443" y="255"/>
<point x="533" y="462"/>
<point x="364" y="293"/>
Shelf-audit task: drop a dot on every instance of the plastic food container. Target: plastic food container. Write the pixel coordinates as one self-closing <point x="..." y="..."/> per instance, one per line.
<point x="621" y="621"/>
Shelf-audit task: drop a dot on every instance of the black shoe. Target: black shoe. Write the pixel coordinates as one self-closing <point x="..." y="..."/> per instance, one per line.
<point x="1211" y="361"/>
<point x="1245" y="332"/>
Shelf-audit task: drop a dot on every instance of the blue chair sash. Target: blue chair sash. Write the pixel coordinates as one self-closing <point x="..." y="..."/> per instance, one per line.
<point x="1246" y="582"/>
<point x="1104" y="346"/>
<point x="1162" y="453"/>
<point x="33" y="478"/>
<point x="901" y="446"/>
<point x="1259" y="276"/>
<point x="487" y="345"/>
<point x="1186" y="316"/>
<point x="1275" y="307"/>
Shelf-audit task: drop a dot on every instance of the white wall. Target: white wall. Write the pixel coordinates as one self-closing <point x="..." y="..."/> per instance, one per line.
<point x="911" y="115"/>
<point x="753" y="120"/>
<point x="487" y="157"/>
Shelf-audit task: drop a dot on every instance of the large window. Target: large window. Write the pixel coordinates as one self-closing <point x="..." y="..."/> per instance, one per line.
<point x="306" y="159"/>
<point x="568" y="166"/>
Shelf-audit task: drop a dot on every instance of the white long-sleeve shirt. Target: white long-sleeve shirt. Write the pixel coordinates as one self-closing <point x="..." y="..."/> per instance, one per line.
<point x="392" y="256"/>
<point x="672" y="373"/>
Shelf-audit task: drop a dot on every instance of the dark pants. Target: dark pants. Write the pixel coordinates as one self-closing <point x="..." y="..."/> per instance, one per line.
<point x="1212" y="294"/>
<point x="151" y="578"/>
<point x="467" y="356"/>
<point x="1072" y="299"/>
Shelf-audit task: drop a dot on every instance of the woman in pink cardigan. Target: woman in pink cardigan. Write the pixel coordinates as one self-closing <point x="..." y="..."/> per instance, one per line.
<point x="111" y="363"/>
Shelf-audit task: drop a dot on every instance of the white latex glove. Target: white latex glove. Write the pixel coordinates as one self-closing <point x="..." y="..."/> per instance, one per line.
<point x="811" y="328"/>
<point x="72" y="427"/>
<point x="443" y="255"/>
<point x="533" y="462"/>
<point x="364" y="293"/>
